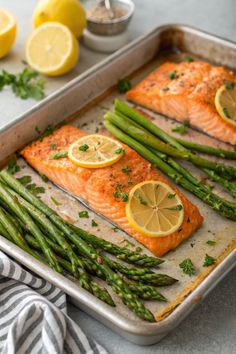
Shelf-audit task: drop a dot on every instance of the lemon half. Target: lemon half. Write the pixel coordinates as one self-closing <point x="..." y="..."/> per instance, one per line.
<point x="52" y="49"/>
<point x="95" y="151"/>
<point x="7" y="32"/>
<point x="225" y="102"/>
<point x="154" y="209"/>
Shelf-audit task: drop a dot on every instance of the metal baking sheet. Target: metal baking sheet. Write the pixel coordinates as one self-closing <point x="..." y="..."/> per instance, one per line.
<point x="85" y="100"/>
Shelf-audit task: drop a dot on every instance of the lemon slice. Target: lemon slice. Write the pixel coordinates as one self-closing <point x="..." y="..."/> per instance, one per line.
<point x="95" y="151"/>
<point x="52" y="49"/>
<point x="225" y="102"/>
<point x="7" y="32"/>
<point x="154" y="209"/>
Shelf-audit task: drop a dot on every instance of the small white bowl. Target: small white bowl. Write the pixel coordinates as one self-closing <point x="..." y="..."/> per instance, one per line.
<point x="112" y="26"/>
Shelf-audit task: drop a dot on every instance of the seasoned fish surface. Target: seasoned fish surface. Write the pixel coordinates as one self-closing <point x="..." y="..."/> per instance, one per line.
<point x="97" y="186"/>
<point x="186" y="92"/>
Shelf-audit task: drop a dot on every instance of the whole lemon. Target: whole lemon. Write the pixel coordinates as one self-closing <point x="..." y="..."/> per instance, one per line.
<point x="7" y="32"/>
<point x="68" y="12"/>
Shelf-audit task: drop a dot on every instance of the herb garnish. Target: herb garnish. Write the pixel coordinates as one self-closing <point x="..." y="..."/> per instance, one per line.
<point x="176" y="207"/>
<point x="124" y="86"/>
<point x="171" y="195"/>
<point x="119" y="151"/>
<point x="208" y="261"/>
<point x="181" y="129"/>
<point x="12" y="165"/>
<point x="44" y="178"/>
<point x="53" y="146"/>
<point x="116" y="194"/>
<point x="142" y="200"/>
<point x="25" y="180"/>
<point x="187" y="267"/>
<point x="126" y="169"/>
<point x="35" y="189"/>
<point x="124" y="196"/>
<point x="211" y="242"/>
<point x="84" y="147"/>
<point x="188" y="59"/>
<point x="84" y="214"/>
<point x="229" y="85"/>
<point x="226" y="112"/>
<point x="115" y="229"/>
<point x="172" y="74"/>
<point x="59" y="155"/>
<point x="93" y="223"/>
<point x="55" y="201"/>
<point x="165" y="89"/>
<point x="25" y="84"/>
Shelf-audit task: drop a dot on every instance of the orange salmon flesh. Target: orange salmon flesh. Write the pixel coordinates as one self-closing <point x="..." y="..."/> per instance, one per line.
<point x="97" y="186"/>
<point x="186" y="92"/>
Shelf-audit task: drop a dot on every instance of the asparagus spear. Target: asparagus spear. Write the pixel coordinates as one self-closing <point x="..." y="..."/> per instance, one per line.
<point x="143" y="291"/>
<point x="86" y="282"/>
<point x="51" y="229"/>
<point x="211" y="199"/>
<point x="20" y="211"/>
<point x="210" y="150"/>
<point x="141" y="274"/>
<point x="121" y="253"/>
<point x="146" y="137"/>
<point x="231" y="187"/>
<point x="117" y="284"/>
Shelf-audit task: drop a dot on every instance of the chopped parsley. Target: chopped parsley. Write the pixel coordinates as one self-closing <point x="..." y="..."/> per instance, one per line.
<point x="55" y="201"/>
<point x="53" y="146"/>
<point x="142" y="200"/>
<point x="84" y="147"/>
<point x="115" y="229"/>
<point x="211" y="242"/>
<point x="93" y="223"/>
<point x="165" y="89"/>
<point x="229" y="85"/>
<point x="181" y="129"/>
<point x="176" y="207"/>
<point x="84" y="214"/>
<point x="171" y="195"/>
<point x="44" y="178"/>
<point x="226" y="112"/>
<point x="116" y="194"/>
<point x="172" y="75"/>
<point x="35" y="189"/>
<point x="96" y="130"/>
<point x="25" y="180"/>
<point x="188" y="59"/>
<point x="124" y="86"/>
<point x="13" y="167"/>
<point x="124" y="196"/>
<point x="208" y="261"/>
<point x="119" y="151"/>
<point x="130" y="182"/>
<point x="138" y="249"/>
<point x="187" y="267"/>
<point x="126" y="169"/>
<point x="59" y="155"/>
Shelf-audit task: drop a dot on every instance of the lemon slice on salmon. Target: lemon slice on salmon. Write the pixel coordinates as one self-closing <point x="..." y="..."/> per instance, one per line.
<point x="225" y="102"/>
<point x="7" y="32"/>
<point x="154" y="209"/>
<point x="52" y="49"/>
<point x="95" y="151"/>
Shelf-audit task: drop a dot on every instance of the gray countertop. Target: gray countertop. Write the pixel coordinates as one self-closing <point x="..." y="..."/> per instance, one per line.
<point x="211" y="328"/>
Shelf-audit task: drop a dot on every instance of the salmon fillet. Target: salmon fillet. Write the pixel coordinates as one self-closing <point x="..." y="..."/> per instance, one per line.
<point x="97" y="186"/>
<point x="188" y="96"/>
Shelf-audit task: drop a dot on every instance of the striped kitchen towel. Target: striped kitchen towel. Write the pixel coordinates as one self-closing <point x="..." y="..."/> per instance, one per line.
<point x="33" y="316"/>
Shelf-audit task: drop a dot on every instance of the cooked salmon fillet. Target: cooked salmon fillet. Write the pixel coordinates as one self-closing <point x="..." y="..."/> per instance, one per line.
<point x="186" y="92"/>
<point x="97" y="186"/>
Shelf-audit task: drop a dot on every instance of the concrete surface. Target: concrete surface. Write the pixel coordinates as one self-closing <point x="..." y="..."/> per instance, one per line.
<point x="211" y="328"/>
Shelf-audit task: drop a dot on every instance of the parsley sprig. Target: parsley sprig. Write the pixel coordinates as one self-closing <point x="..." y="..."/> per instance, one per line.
<point x="124" y="86"/>
<point x="187" y="267"/>
<point x="25" y="84"/>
